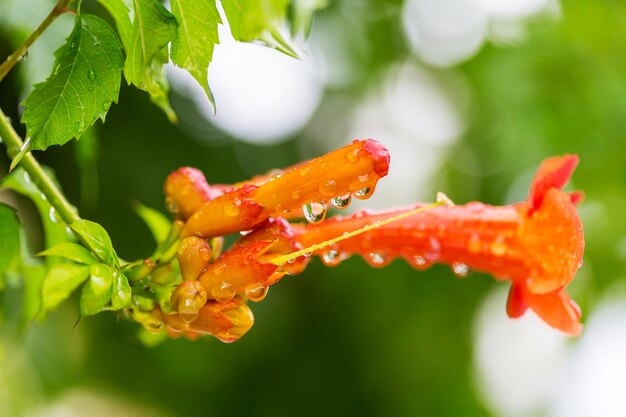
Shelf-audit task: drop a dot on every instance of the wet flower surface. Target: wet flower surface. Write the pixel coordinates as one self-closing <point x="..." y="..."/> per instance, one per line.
<point x="536" y="244"/>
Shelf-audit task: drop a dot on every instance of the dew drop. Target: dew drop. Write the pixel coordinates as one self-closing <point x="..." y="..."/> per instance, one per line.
<point x="304" y="171"/>
<point x="418" y="262"/>
<point x="187" y="316"/>
<point x="275" y="176"/>
<point x="256" y="292"/>
<point x="232" y="208"/>
<point x="91" y="75"/>
<point x="474" y="244"/>
<point x="295" y="195"/>
<point x="218" y="269"/>
<point x="460" y="269"/>
<point x="364" y="193"/>
<point x="26" y="176"/>
<point x="205" y="254"/>
<point x="171" y="205"/>
<point x="223" y="293"/>
<point x="341" y="201"/>
<point x="353" y="156"/>
<point x="328" y="188"/>
<point x="90" y="88"/>
<point x="498" y="247"/>
<point x="376" y="258"/>
<point x="331" y="258"/>
<point x="314" y="212"/>
<point x="53" y="215"/>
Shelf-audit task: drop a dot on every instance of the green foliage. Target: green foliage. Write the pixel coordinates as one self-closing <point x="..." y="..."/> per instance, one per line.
<point x="152" y="30"/>
<point x="9" y="239"/>
<point x="96" y="239"/>
<point x="251" y="20"/>
<point x="120" y="13"/>
<point x="158" y="223"/>
<point x="72" y="252"/>
<point x="20" y="182"/>
<point x="60" y="281"/>
<point x="197" y="36"/>
<point x="85" y="81"/>
<point x="97" y="292"/>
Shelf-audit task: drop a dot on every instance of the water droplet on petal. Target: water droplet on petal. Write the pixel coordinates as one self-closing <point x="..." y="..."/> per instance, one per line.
<point x="314" y="212"/>
<point x="256" y="291"/>
<point x="353" y="156"/>
<point x="331" y="258"/>
<point x="376" y="259"/>
<point x="231" y="208"/>
<point x="304" y="171"/>
<point x="498" y="246"/>
<point x="91" y="75"/>
<point x="460" y="269"/>
<point x="474" y="245"/>
<point x="328" y="188"/>
<point x="275" y="176"/>
<point x="341" y="201"/>
<point x="295" y="195"/>
<point x="205" y="254"/>
<point x="171" y="205"/>
<point x="218" y="269"/>
<point x="223" y="293"/>
<point x="363" y="193"/>
<point x="418" y="262"/>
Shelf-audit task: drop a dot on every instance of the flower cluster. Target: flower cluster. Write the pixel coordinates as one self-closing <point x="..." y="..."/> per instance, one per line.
<point x="536" y="244"/>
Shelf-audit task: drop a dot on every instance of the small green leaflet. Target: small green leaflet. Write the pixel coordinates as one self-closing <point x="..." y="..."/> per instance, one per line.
<point x="158" y="223"/>
<point x="9" y="238"/>
<point x="60" y="281"/>
<point x="121" y="296"/>
<point x="120" y="13"/>
<point x="71" y="251"/>
<point x="85" y="81"/>
<point x="153" y="28"/>
<point x="197" y="36"/>
<point x="302" y="12"/>
<point x="97" y="239"/>
<point x="97" y="292"/>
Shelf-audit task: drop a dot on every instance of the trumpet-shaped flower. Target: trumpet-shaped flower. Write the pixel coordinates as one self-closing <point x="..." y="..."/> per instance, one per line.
<point x="537" y="244"/>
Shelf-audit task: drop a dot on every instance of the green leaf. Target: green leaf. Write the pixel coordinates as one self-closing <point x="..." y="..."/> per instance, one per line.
<point x="85" y="81"/>
<point x="20" y="182"/>
<point x="153" y="28"/>
<point x="97" y="292"/>
<point x="122" y="293"/>
<point x="197" y="36"/>
<point x="34" y="276"/>
<point x="71" y="251"/>
<point x="60" y="281"/>
<point x="158" y="223"/>
<point x="251" y="20"/>
<point x="97" y="239"/>
<point x="9" y="238"/>
<point x="121" y="15"/>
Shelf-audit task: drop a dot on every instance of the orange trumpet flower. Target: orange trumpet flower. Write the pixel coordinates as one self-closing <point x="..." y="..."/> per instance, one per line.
<point x="536" y="244"/>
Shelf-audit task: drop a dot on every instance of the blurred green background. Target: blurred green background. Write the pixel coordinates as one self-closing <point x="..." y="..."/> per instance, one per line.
<point x="472" y="95"/>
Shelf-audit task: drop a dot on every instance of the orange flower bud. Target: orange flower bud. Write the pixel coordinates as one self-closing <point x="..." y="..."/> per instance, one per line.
<point x="187" y="299"/>
<point x="194" y="255"/>
<point x="241" y="270"/>
<point x="332" y="178"/>
<point x="226" y="321"/>
<point x="186" y="190"/>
